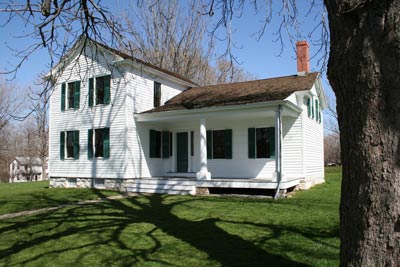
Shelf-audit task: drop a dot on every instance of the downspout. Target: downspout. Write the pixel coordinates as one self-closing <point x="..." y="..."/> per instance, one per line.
<point x="278" y="148"/>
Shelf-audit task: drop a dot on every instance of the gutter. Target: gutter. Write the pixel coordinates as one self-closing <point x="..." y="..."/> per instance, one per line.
<point x="278" y="147"/>
<point x="201" y="112"/>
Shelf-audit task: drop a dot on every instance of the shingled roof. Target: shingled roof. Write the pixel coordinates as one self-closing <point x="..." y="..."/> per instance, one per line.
<point x="265" y="90"/>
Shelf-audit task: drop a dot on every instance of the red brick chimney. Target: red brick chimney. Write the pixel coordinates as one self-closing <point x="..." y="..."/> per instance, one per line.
<point x="303" y="58"/>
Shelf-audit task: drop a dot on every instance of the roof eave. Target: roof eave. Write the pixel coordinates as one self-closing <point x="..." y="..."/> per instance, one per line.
<point x="291" y="110"/>
<point x="156" y="72"/>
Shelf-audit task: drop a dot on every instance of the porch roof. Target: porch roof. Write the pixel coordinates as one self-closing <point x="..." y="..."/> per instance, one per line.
<point x="265" y="90"/>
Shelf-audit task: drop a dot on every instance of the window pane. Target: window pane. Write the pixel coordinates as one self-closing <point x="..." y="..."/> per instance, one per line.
<point x="262" y="143"/>
<point x="218" y="145"/>
<point x="157" y="94"/>
<point x="71" y="95"/>
<point x="70" y="144"/>
<point x="99" y="90"/>
<point x="158" y="144"/>
<point x="99" y="137"/>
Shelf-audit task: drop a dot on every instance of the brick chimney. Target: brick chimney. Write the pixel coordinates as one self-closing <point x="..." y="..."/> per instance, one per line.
<point x="303" y="58"/>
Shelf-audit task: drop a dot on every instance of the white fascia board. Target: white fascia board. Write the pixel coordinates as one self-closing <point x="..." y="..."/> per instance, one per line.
<point x="150" y="70"/>
<point x="321" y="93"/>
<point x="290" y="109"/>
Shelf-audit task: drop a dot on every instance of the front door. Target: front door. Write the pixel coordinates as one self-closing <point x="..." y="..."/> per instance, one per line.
<point x="182" y="155"/>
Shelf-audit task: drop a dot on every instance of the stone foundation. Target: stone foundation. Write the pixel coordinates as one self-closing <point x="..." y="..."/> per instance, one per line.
<point x="307" y="183"/>
<point x="202" y="191"/>
<point x="100" y="183"/>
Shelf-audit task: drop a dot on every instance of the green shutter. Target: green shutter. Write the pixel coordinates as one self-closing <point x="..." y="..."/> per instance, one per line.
<point x="316" y="110"/>
<point x="153" y="136"/>
<point x="106" y="143"/>
<point x="252" y="143"/>
<point x="63" y="97"/>
<point x="228" y="143"/>
<point x="77" y="94"/>
<point x="90" y="144"/>
<point x="91" y="92"/>
<point x="107" y="80"/>
<point x="209" y="145"/>
<point x="76" y="144"/>
<point x="312" y="109"/>
<point x="271" y="139"/>
<point x="191" y="143"/>
<point x="165" y="144"/>
<point x="62" y="141"/>
<point x="309" y="107"/>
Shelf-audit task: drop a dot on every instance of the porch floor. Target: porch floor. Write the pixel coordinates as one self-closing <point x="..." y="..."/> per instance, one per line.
<point x="223" y="182"/>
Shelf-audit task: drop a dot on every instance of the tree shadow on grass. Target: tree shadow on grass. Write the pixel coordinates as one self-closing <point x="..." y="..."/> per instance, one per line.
<point x="113" y="217"/>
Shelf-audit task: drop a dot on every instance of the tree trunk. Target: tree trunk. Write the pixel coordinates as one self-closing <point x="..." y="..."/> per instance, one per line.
<point x="364" y="71"/>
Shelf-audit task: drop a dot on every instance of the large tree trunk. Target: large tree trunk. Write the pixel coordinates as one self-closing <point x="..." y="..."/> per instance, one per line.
<point x="364" y="71"/>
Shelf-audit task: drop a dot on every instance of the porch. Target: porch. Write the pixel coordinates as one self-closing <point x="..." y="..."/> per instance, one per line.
<point x="191" y="186"/>
<point x="224" y="147"/>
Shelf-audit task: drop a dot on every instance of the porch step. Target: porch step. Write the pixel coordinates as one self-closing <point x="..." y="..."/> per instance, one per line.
<point x="163" y="186"/>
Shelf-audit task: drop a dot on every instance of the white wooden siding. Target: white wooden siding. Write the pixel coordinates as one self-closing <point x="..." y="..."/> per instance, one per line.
<point x="140" y="92"/>
<point x="313" y="142"/>
<point x="292" y="148"/>
<point x="113" y="115"/>
<point x="240" y="166"/>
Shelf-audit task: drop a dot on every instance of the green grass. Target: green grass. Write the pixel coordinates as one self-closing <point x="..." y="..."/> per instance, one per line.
<point x="162" y="230"/>
<point x="16" y="197"/>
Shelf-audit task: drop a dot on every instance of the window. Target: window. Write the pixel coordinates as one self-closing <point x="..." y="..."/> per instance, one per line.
<point x="72" y="182"/>
<point x="69" y="144"/>
<point x="99" y="143"/>
<point x="317" y="111"/>
<point x="160" y="144"/>
<point x="155" y="144"/>
<point x="99" y="90"/>
<point x="261" y="142"/>
<point x="157" y="94"/>
<point x="99" y="182"/>
<point x="219" y="144"/>
<point x="72" y="92"/>
<point x="310" y="109"/>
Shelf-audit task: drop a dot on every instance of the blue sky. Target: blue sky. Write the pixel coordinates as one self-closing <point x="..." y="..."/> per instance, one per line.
<point x="257" y="57"/>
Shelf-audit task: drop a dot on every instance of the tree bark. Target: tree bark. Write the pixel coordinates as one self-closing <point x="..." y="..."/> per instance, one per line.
<point x="364" y="71"/>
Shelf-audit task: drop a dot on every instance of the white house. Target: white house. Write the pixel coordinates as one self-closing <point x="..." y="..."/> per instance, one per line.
<point x="117" y="122"/>
<point x="25" y="169"/>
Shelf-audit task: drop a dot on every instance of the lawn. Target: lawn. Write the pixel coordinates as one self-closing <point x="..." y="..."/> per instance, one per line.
<point x="16" y="197"/>
<point x="162" y="230"/>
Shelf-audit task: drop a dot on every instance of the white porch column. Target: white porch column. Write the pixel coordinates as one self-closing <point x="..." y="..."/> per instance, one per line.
<point x="203" y="174"/>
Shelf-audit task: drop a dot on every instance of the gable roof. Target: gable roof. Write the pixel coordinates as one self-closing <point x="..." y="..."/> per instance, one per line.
<point x="273" y="89"/>
<point x="82" y="41"/>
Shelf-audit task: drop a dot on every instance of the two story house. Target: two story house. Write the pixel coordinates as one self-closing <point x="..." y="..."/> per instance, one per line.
<point x="117" y="122"/>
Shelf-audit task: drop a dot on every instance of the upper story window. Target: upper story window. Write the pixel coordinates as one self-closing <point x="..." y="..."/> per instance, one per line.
<point x="99" y="90"/>
<point x="71" y="91"/>
<point x="157" y="94"/>
<point x="310" y="108"/>
<point x="317" y="111"/>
